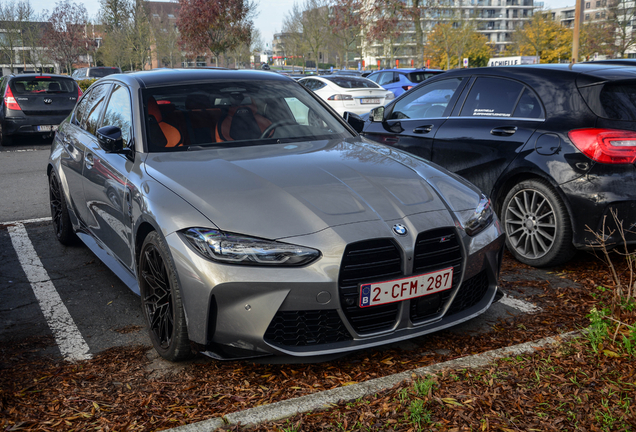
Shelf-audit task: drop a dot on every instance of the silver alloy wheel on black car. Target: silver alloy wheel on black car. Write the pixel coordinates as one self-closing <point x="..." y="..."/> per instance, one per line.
<point x="59" y="212"/>
<point x="161" y="300"/>
<point x="537" y="225"/>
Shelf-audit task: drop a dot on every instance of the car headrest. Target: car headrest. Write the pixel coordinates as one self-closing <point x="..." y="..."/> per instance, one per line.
<point x="153" y="109"/>
<point x="19" y="87"/>
<point x="54" y="86"/>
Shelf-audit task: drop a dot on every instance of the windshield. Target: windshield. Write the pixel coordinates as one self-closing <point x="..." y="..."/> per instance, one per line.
<point x="234" y="113"/>
<point x="41" y="85"/>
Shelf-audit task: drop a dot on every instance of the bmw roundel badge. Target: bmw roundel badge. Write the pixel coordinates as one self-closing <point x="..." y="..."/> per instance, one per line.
<point x="399" y="229"/>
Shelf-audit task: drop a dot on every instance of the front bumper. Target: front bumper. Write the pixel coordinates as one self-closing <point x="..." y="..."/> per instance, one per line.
<point x="300" y="312"/>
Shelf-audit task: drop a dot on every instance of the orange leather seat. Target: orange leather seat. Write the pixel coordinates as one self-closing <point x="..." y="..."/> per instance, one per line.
<point x="242" y="122"/>
<point x="171" y="134"/>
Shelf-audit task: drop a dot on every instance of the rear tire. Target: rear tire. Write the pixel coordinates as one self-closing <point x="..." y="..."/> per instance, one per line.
<point x="59" y="212"/>
<point x="5" y="140"/>
<point x="161" y="300"/>
<point x="537" y="224"/>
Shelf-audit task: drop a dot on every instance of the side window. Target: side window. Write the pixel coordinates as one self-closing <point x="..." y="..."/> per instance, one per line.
<point x="374" y="77"/>
<point x="308" y="83"/>
<point x="528" y="106"/>
<point x="427" y="101"/>
<point x="119" y="112"/>
<point x="492" y="97"/>
<point x="94" y="108"/>
<point x="385" y="78"/>
<point x="80" y="108"/>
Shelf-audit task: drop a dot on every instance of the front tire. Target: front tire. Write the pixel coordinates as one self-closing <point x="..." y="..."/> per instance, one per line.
<point x="59" y="212"/>
<point x="161" y="300"/>
<point x="537" y="224"/>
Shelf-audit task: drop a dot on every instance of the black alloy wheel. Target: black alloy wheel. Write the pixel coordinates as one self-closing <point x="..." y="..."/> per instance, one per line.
<point x="59" y="212"/>
<point x="161" y="300"/>
<point x="537" y="224"/>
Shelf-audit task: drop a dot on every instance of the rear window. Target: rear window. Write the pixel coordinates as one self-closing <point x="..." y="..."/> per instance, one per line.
<point x="418" y="77"/>
<point x="351" y="82"/>
<point x="617" y="100"/>
<point x="102" y="72"/>
<point x="42" y="85"/>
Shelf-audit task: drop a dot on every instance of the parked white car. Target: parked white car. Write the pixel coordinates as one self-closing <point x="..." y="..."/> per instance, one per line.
<point x="347" y="93"/>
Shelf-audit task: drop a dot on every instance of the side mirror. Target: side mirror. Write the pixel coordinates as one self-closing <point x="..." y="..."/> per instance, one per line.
<point x="354" y="120"/>
<point x="109" y="139"/>
<point x="377" y="114"/>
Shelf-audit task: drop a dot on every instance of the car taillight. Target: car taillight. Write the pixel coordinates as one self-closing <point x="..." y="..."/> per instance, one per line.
<point x="340" y="97"/>
<point x="407" y="88"/>
<point x="79" y="92"/>
<point x="10" y="101"/>
<point x="609" y="146"/>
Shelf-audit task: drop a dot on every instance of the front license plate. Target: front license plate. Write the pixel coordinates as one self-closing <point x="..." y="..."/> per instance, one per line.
<point x="370" y="101"/>
<point x="46" y="128"/>
<point x="380" y="293"/>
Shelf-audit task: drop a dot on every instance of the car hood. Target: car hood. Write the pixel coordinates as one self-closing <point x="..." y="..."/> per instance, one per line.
<point x="285" y="190"/>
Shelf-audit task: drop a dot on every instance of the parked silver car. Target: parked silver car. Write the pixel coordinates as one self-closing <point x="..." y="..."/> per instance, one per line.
<point x="253" y="221"/>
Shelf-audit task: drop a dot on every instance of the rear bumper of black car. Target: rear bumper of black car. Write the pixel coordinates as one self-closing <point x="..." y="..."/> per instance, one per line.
<point x="603" y="207"/>
<point x="30" y="125"/>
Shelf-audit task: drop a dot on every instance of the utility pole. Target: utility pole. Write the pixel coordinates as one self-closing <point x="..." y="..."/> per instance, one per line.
<point x="578" y="16"/>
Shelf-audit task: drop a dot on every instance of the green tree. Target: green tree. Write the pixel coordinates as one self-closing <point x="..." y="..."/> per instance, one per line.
<point x="543" y="37"/>
<point x="389" y="20"/>
<point x="216" y="26"/>
<point x="292" y="41"/>
<point x="65" y="35"/>
<point x="15" y="17"/>
<point x="166" y="41"/>
<point x="346" y="20"/>
<point x="597" y="37"/>
<point x="139" y="36"/>
<point x="315" y="28"/>
<point x="449" y="43"/>
<point x="621" y="16"/>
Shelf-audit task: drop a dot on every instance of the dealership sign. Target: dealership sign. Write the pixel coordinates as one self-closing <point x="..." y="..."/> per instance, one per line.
<point x="511" y="61"/>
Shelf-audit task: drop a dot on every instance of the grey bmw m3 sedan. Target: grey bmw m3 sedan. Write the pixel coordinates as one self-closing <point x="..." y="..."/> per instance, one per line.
<point x="254" y="221"/>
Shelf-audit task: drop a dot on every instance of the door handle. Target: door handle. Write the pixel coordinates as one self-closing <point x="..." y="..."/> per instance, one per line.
<point x="423" y="129"/>
<point x="88" y="159"/>
<point x="504" y="131"/>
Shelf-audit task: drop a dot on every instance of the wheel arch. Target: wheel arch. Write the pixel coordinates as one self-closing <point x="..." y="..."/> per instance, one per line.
<point x="501" y="189"/>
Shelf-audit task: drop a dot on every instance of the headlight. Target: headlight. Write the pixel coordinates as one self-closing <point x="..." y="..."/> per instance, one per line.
<point x="232" y="248"/>
<point x="481" y="218"/>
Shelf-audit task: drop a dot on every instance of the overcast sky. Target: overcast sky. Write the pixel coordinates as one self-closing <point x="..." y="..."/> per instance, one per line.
<point x="270" y="12"/>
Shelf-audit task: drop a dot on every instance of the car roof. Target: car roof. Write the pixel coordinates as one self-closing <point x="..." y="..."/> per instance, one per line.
<point x="601" y="71"/>
<point x="409" y="70"/>
<point x="170" y="77"/>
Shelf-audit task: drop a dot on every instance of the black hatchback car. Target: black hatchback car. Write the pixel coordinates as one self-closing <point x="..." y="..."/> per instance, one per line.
<point x="35" y="104"/>
<point x="553" y="145"/>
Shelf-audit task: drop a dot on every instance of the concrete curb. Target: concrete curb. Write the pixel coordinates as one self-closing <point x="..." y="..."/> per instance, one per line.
<point x="326" y="399"/>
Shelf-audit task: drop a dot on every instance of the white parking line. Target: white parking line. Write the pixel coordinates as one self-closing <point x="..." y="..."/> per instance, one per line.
<point x="67" y="335"/>
<point x="27" y="221"/>
<point x="519" y="304"/>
